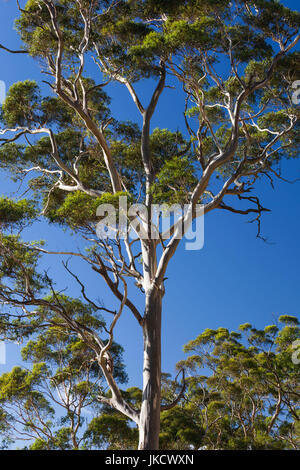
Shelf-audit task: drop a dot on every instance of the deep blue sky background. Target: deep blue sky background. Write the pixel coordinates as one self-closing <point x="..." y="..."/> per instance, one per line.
<point x="235" y="278"/>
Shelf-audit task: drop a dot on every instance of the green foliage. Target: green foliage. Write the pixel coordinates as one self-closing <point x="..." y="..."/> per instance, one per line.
<point x="135" y="45"/>
<point x="230" y="401"/>
<point x="18" y="265"/>
<point x="179" y="430"/>
<point x="289" y="319"/>
<point x="18" y="382"/>
<point x="24" y="106"/>
<point x="50" y="398"/>
<point x="217" y="51"/>
<point x="236" y="381"/>
<point x="79" y="209"/>
<point x="112" y="432"/>
<point x="21" y="105"/>
<point x="16" y="213"/>
<point x="174" y="182"/>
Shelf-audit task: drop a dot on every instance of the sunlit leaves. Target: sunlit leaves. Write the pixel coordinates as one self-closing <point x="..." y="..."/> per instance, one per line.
<point x="248" y="372"/>
<point x="21" y="106"/>
<point x="16" y="213"/>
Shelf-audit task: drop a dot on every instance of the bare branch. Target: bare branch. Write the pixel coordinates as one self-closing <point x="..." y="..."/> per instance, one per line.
<point x="169" y="406"/>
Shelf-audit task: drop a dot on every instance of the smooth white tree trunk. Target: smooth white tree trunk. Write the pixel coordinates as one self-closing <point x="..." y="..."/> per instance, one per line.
<point x="150" y="411"/>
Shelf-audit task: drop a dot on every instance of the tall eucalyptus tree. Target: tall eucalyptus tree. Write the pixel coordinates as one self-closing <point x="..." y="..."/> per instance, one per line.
<point x="235" y="63"/>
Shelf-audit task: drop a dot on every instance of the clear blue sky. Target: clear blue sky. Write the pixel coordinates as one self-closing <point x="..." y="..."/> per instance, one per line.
<point x="235" y="278"/>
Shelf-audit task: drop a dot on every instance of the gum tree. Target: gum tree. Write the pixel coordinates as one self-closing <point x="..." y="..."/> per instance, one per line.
<point x="51" y="404"/>
<point x="249" y="399"/>
<point x="234" y="62"/>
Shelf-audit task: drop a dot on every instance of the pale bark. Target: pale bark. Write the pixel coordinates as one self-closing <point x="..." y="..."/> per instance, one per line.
<point x="149" y="425"/>
<point x="154" y="270"/>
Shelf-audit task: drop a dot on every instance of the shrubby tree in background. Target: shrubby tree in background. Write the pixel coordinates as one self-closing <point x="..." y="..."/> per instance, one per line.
<point x="250" y="399"/>
<point x="50" y="404"/>
<point x="242" y="392"/>
<point x="235" y="63"/>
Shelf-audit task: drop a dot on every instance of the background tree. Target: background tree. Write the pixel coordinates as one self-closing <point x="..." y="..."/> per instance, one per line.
<point x="244" y="387"/>
<point x="235" y="63"/>
<point x="51" y="404"/>
<point x="241" y="392"/>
